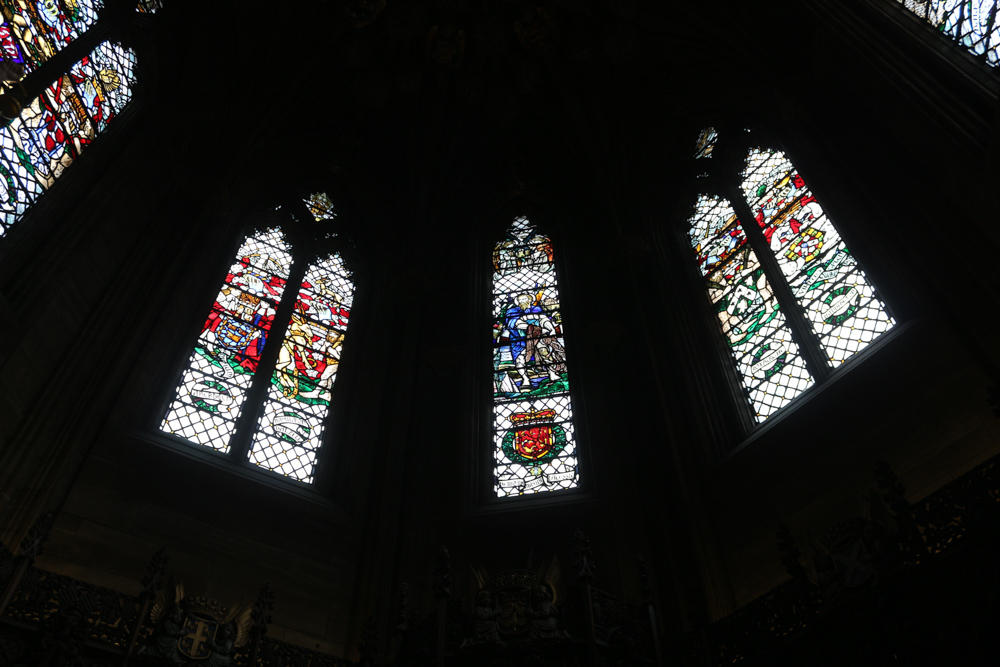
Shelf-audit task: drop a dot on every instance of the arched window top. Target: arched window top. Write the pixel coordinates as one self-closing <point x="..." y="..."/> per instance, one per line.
<point x="534" y="437"/>
<point x="971" y="23"/>
<point x="277" y="395"/>
<point x="792" y="300"/>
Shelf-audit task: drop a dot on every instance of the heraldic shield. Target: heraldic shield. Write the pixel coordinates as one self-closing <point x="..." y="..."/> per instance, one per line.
<point x="199" y="635"/>
<point x="512" y="590"/>
<point x="187" y="628"/>
<point x="534" y="437"/>
<point x="512" y="594"/>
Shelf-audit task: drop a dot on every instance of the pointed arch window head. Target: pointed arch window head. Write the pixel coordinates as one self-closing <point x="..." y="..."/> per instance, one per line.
<point x="240" y="397"/>
<point x="534" y="438"/>
<point x="792" y="300"/>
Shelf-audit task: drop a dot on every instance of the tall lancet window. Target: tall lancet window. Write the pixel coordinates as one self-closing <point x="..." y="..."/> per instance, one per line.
<point x="793" y="302"/>
<point x="533" y="435"/>
<point x="263" y="402"/>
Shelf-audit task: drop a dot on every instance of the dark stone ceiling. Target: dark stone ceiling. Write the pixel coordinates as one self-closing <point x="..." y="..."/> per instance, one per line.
<point x="403" y="91"/>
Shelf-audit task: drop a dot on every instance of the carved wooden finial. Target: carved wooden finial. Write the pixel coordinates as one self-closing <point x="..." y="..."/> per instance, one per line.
<point x="442" y="576"/>
<point x="402" y="604"/>
<point x="644" y="589"/>
<point x="262" y="607"/>
<point x="368" y="645"/>
<point x="584" y="557"/>
<point x="152" y="581"/>
<point x="38" y="535"/>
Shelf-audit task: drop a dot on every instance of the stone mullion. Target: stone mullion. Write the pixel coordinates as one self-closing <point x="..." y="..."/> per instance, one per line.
<point x="795" y="315"/>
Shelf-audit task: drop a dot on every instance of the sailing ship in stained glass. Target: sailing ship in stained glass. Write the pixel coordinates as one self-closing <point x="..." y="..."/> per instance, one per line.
<point x="534" y="439"/>
<point x="290" y="429"/>
<point x="226" y="357"/>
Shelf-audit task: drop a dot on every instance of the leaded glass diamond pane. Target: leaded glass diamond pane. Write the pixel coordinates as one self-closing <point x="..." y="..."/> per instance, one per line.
<point x="205" y="409"/>
<point x="534" y="444"/>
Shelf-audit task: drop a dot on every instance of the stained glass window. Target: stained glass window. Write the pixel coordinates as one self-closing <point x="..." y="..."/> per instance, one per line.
<point x="781" y="254"/>
<point x="52" y="131"/>
<point x="839" y="301"/>
<point x="231" y="382"/>
<point x="214" y="387"/>
<point x="290" y="429"/>
<point x="533" y="434"/>
<point x="761" y="342"/>
<point x="971" y="23"/>
<point x="42" y="28"/>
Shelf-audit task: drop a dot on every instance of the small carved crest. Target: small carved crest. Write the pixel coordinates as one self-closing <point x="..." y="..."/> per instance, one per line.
<point x="205" y="625"/>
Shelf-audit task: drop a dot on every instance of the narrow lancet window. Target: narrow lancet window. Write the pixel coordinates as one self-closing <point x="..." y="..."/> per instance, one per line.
<point x="290" y="430"/>
<point x="214" y="387"/>
<point x="792" y="300"/>
<point x="533" y="435"/>
<point x="759" y="338"/>
<point x="839" y="301"/>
